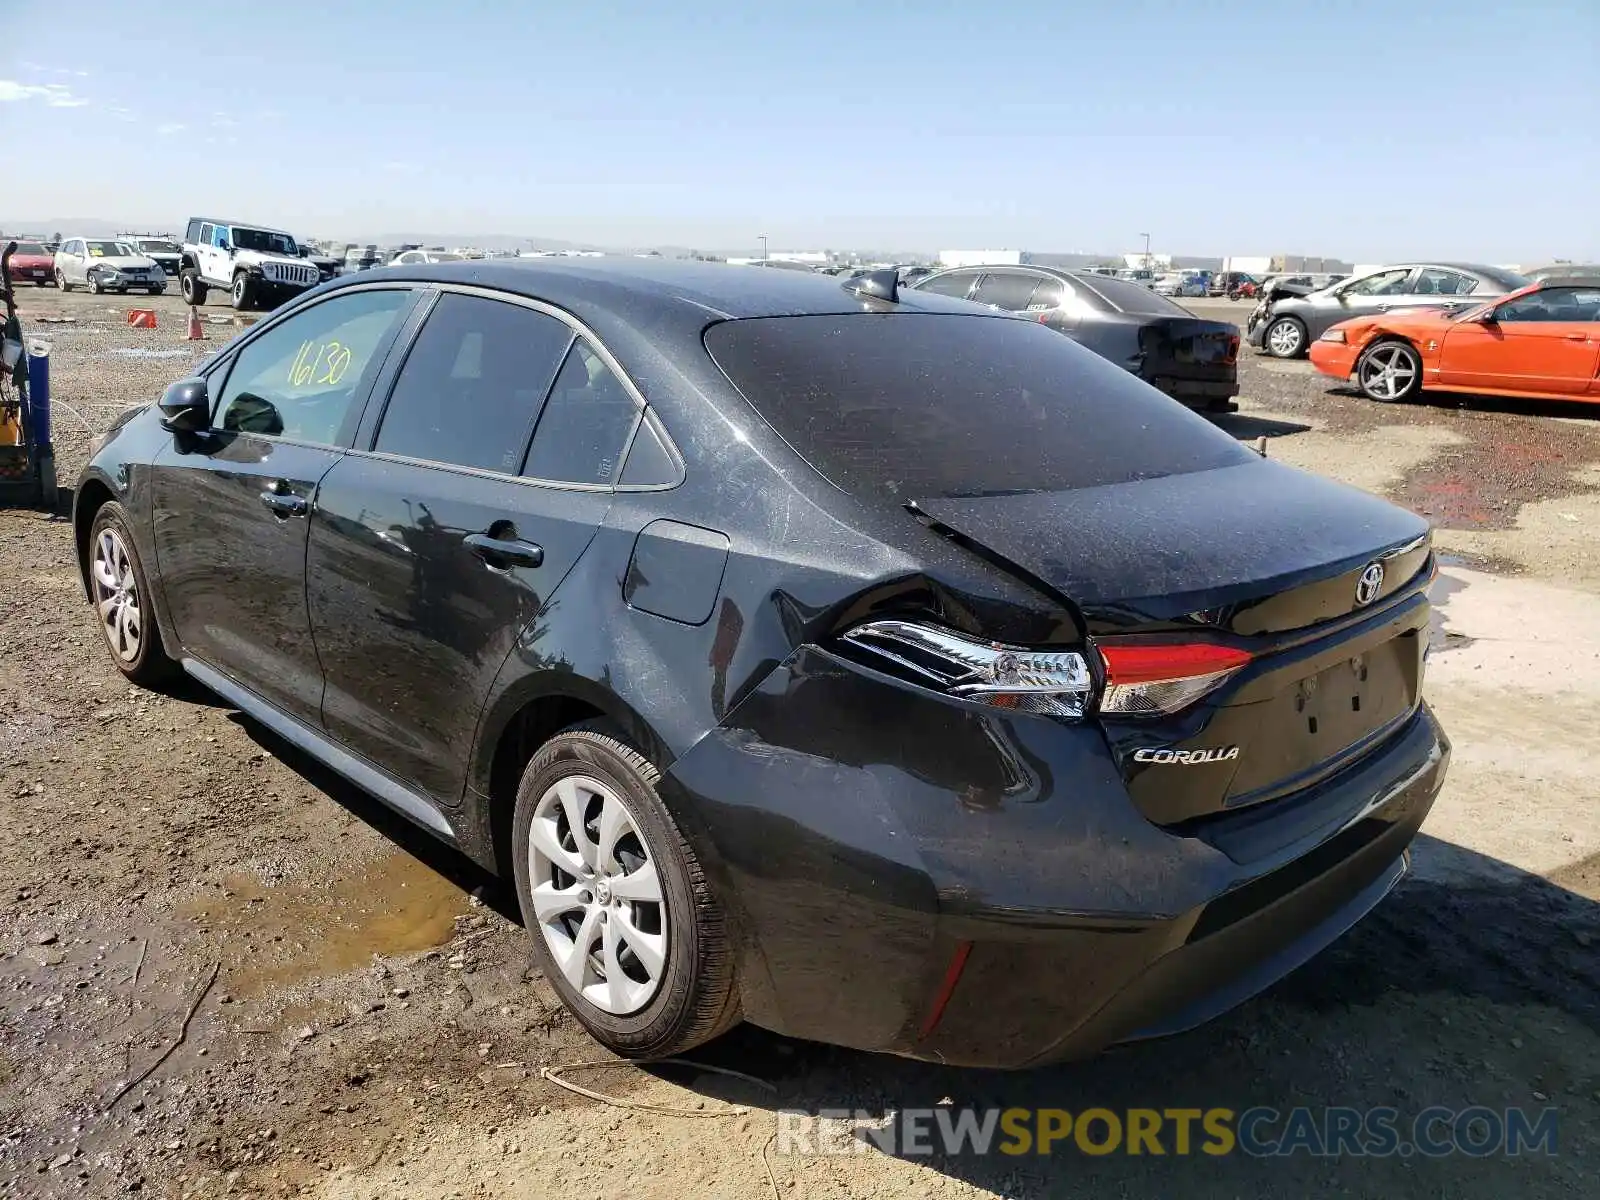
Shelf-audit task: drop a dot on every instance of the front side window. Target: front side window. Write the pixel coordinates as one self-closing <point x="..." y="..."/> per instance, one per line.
<point x="585" y="424"/>
<point x="472" y="384"/>
<point x="1384" y="283"/>
<point x="299" y="379"/>
<point x="1553" y="304"/>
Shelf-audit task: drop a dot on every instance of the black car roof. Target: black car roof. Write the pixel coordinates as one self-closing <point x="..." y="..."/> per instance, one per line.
<point x="638" y="284"/>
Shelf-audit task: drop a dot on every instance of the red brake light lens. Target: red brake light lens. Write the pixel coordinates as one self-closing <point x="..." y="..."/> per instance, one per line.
<point x="1148" y="679"/>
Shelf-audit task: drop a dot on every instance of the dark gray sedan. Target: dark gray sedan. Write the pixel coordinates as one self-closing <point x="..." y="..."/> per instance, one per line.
<point x="1191" y="359"/>
<point x="1288" y="317"/>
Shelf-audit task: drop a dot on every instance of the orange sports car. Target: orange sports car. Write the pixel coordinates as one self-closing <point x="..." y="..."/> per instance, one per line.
<point x="1541" y="342"/>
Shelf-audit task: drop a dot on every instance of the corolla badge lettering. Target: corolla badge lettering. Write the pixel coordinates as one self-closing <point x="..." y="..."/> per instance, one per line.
<point x="1186" y="758"/>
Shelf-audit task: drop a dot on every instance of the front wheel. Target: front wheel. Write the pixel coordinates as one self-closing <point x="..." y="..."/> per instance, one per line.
<point x="244" y="292"/>
<point x="94" y="286"/>
<point x="122" y="600"/>
<point x="620" y="915"/>
<point x="1389" y="372"/>
<point x="1285" y="338"/>
<point x="192" y="287"/>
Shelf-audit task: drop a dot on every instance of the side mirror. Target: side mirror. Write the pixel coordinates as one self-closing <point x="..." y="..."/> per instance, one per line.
<point x="1487" y="317"/>
<point x="186" y="407"/>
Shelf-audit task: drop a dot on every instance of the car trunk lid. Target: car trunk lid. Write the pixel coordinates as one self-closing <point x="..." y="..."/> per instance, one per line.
<point x="1189" y="348"/>
<point x="1259" y="557"/>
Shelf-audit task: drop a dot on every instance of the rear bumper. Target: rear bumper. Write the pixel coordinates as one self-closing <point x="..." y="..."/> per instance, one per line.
<point x="1196" y="391"/>
<point x="1334" y="359"/>
<point x="931" y="880"/>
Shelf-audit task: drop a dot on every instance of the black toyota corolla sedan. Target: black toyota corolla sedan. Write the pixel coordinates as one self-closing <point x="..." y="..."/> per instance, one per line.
<point x="844" y="659"/>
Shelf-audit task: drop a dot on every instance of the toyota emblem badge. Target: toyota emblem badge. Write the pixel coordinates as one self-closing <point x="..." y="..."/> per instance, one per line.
<point x="1369" y="585"/>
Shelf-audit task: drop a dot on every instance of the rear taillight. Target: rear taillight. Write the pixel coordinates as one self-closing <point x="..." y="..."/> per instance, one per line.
<point x="1141" y="680"/>
<point x="1155" y="679"/>
<point x="1054" y="683"/>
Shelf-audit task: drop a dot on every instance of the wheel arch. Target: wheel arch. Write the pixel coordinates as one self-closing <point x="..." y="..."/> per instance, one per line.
<point x="92" y="495"/>
<point x="520" y="720"/>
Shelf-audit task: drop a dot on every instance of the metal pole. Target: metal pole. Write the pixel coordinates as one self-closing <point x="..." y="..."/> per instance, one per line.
<point x="1146" y="238"/>
<point x="763" y="238"/>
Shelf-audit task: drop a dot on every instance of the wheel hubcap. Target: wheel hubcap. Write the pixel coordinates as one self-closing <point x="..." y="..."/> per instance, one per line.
<point x="597" y="898"/>
<point x="1284" y="337"/>
<point x="1387" y="372"/>
<point x="116" y="596"/>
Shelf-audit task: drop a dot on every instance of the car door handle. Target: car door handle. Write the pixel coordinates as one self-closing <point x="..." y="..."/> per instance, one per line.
<point x="282" y="501"/>
<point x="1577" y="337"/>
<point x="501" y="553"/>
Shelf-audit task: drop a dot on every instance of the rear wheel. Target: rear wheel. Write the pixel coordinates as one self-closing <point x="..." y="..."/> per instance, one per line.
<point x="1285" y="338"/>
<point x="621" y="919"/>
<point x="1389" y="372"/>
<point x="122" y="600"/>
<point x="192" y="286"/>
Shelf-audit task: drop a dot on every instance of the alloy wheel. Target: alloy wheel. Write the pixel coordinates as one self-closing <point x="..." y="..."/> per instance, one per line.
<point x="597" y="897"/>
<point x="1283" y="339"/>
<point x="1388" y="371"/>
<point x="116" y="596"/>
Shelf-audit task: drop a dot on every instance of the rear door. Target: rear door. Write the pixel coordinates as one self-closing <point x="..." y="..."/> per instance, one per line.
<point x="231" y="507"/>
<point x="1546" y="342"/>
<point x="440" y="540"/>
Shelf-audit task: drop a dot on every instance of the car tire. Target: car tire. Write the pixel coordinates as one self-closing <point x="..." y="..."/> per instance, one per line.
<point x="192" y="286"/>
<point x="243" y="294"/>
<point x="61" y="281"/>
<point x="1285" y="337"/>
<point x="123" y="604"/>
<point x="1389" y="371"/>
<point x="94" y="286"/>
<point x="690" y="997"/>
<point x="41" y="283"/>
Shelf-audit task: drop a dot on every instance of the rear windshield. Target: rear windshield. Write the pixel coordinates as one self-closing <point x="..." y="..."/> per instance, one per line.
<point x="30" y="248"/>
<point x="1134" y="297"/>
<point x="916" y="405"/>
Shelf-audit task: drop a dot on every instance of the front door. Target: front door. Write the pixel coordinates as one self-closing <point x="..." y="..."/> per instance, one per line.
<point x="432" y="552"/>
<point x="213" y="260"/>
<point x="1545" y="342"/>
<point x="232" y="505"/>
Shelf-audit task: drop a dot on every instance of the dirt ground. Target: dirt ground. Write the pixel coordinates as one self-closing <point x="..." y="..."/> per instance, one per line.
<point x="364" y="1023"/>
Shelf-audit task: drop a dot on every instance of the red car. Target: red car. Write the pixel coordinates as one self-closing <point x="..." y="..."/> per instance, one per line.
<point x="1542" y="342"/>
<point x="32" y="263"/>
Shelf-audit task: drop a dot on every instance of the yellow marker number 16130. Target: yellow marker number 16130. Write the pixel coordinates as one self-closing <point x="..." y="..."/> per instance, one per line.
<point x="320" y="364"/>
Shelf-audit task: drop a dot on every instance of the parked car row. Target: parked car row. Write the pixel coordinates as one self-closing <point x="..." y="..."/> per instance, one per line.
<point x="830" y="654"/>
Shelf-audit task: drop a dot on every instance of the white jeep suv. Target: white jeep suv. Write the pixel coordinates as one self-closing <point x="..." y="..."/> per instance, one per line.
<point x="255" y="265"/>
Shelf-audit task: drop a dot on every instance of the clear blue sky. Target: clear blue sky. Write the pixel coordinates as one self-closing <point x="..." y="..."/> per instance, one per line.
<point x="1360" y="129"/>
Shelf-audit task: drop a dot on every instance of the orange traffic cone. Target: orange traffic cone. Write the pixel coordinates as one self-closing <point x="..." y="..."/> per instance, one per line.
<point x="197" y="332"/>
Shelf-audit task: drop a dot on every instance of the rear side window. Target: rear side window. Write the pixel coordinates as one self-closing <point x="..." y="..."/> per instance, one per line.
<point x="1010" y="290"/>
<point x="916" y="405"/>
<point x="585" y="424"/>
<point x="1128" y="297"/>
<point x="472" y="384"/>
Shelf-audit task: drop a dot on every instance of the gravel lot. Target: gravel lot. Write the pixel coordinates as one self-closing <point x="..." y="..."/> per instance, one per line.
<point x="371" y="1028"/>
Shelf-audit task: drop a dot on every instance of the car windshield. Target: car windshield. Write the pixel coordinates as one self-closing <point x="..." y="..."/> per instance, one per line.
<point x="910" y="405"/>
<point x="264" y="242"/>
<point x="110" y="250"/>
<point x="1133" y="297"/>
<point x="158" y="246"/>
<point x="30" y="248"/>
